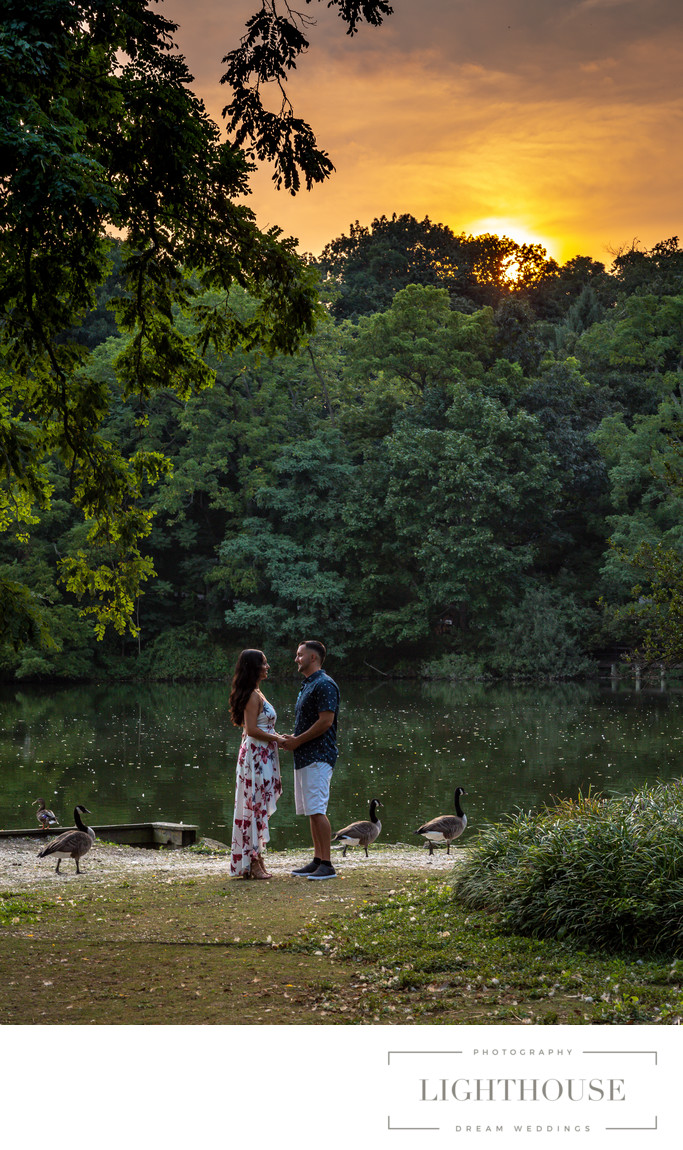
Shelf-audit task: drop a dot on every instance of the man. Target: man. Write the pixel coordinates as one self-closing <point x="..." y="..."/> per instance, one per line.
<point x="314" y="744"/>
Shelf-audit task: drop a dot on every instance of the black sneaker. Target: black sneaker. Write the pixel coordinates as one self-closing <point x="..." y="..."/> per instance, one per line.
<point x="307" y="870"/>
<point x="325" y="870"/>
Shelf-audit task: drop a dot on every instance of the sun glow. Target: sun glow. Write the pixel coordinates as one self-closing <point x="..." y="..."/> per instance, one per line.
<point x="514" y="230"/>
<point x="513" y="271"/>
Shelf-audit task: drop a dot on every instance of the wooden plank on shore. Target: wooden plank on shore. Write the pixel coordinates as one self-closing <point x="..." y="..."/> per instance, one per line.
<point x="160" y="834"/>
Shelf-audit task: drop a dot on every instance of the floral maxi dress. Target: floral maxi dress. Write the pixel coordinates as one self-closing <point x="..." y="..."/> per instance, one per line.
<point x="257" y="790"/>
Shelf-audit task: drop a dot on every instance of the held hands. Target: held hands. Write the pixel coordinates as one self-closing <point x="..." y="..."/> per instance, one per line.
<point x="282" y="741"/>
<point x="289" y="742"/>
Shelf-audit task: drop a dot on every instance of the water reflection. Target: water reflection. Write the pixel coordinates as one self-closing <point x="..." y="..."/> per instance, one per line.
<point x="133" y="753"/>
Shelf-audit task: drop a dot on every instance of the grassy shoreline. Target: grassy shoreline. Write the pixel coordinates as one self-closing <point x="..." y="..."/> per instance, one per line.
<point x="384" y="944"/>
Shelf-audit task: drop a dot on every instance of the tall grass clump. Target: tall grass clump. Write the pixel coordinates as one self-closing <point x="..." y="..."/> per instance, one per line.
<point x="605" y="872"/>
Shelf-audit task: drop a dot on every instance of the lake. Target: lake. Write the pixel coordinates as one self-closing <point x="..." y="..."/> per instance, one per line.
<point x="134" y="753"/>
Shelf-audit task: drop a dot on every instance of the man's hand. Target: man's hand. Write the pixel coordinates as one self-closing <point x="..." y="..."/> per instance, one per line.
<point x="323" y="723"/>
<point x="289" y="743"/>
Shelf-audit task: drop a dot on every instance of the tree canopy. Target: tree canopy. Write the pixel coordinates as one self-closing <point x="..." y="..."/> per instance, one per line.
<point x="101" y="136"/>
<point x="426" y="442"/>
<point x="276" y="37"/>
<point x="439" y="482"/>
<point x="370" y="264"/>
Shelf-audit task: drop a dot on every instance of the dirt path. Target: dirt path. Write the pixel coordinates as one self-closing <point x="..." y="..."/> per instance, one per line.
<point x="159" y="937"/>
<point x="21" y="869"/>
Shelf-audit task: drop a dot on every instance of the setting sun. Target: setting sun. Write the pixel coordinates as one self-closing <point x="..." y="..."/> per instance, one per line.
<point x="501" y="226"/>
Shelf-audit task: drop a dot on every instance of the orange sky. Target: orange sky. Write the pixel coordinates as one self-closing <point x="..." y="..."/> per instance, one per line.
<point x="557" y="121"/>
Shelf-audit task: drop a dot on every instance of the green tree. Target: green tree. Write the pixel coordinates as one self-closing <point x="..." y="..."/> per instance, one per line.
<point x="657" y="271"/>
<point x="544" y="635"/>
<point x="371" y="264"/>
<point x="554" y="296"/>
<point x="646" y="517"/>
<point x="283" y="566"/>
<point x="652" y="623"/>
<point x="100" y="133"/>
<point x="570" y="409"/>
<point x="276" y="37"/>
<point x="444" y="521"/>
<point x="645" y="334"/>
<point x="635" y="351"/>
<point x="441" y="516"/>
<point x="421" y="341"/>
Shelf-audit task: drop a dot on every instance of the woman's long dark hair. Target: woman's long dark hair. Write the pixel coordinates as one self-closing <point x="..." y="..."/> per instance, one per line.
<point x="244" y="681"/>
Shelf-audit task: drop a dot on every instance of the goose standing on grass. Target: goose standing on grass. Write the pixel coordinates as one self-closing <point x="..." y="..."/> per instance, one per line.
<point x="72" y="844"/>
<point x="45" y="817"/>
<point x="445" y="828"/>
<point x="362" y="833"/>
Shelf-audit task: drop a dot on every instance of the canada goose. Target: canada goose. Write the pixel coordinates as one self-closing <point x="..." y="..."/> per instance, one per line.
<point x="362" y="833"/>
<point x="445" y="828"/>
<point x="72" y="844"/>
<point x="45" y="817"/>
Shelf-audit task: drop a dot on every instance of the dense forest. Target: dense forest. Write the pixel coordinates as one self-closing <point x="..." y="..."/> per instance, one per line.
<point x="472" y="468"/>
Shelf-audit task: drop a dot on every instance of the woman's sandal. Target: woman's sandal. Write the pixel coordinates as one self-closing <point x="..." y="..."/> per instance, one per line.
<point x="257" y="869"/>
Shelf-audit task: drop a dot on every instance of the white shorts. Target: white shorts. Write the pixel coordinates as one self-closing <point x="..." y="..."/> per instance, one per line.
<point x="312" y="788"/>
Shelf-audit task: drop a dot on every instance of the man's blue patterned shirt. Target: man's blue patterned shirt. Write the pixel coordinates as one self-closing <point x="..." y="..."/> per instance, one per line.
<point x="318" y="693"/>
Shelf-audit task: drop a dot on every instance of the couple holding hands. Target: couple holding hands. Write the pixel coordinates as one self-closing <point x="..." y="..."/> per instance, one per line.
<point x="314" y="745"/>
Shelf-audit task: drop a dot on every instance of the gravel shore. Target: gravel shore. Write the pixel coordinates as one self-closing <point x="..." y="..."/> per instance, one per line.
<point x="21" y="869"/>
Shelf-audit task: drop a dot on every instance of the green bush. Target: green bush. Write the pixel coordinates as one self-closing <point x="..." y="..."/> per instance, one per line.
<point x="543" y="637"/>
<point x="185" y="653"/>
<point x="606" y="872"/>
<point x="69" y="655"/>
<point x="454" y="666"/>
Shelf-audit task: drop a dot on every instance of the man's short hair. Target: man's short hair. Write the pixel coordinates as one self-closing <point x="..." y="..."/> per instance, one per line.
<point x="319" y="648"/>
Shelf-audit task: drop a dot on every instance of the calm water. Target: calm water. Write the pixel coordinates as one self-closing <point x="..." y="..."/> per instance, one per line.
<point x="136" y="754"/>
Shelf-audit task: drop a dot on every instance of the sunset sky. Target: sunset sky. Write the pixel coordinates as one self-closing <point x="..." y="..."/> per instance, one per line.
<point x="553" y="121"/>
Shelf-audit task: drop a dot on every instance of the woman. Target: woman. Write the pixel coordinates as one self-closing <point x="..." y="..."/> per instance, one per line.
<point x="258" y="768"/>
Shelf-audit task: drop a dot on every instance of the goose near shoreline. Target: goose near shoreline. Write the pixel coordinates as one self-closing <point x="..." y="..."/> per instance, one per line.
<point x="72" y="844"/>
<point x="362" y="833"/>
<point x="445" y="828"/>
